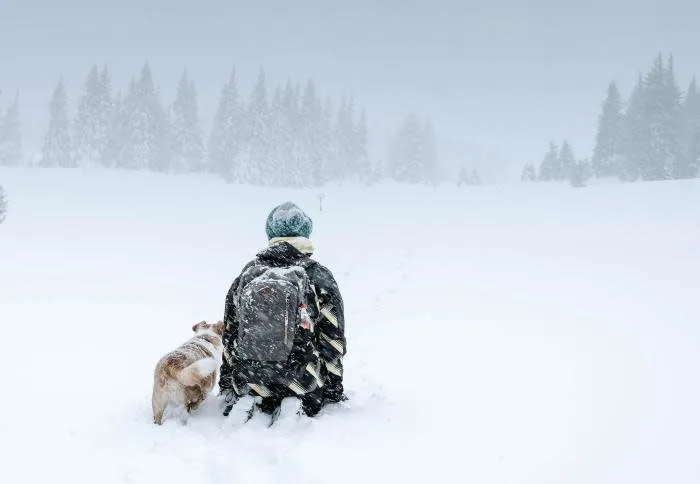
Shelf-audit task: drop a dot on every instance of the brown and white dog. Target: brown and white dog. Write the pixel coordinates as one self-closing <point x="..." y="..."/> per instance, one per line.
<point x="184" y="377"/>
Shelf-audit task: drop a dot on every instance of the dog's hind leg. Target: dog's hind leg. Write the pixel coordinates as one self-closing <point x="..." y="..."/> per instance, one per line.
<point x="158" y="417"/>
<point x="194" y="396"/>
<point x="158" y="404"/>
<point x="163" y="396"/>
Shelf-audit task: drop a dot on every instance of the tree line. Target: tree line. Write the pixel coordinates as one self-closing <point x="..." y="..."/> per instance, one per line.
<point x="559" y="164"/>
<point x="286" y="137"/>
<point x="654" y="135"/>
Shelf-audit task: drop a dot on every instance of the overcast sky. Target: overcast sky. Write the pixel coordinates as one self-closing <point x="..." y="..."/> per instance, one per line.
<point x="500" y="78"/>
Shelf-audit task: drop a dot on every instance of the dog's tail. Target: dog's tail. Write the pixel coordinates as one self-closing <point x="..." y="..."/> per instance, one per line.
<point x="197" y="371"/>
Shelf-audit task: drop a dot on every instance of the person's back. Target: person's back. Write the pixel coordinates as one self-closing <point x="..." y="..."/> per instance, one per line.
<point x="272" y="351"/>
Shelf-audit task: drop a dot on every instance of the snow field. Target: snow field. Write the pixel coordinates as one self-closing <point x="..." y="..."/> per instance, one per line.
<point x="530" y="334"/>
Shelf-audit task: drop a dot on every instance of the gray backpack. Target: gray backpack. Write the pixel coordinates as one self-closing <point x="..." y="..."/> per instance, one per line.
<point x="271" y="302"/>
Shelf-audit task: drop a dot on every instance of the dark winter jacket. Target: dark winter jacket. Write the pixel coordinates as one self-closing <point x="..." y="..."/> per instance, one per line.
<point x="309" y="366"/>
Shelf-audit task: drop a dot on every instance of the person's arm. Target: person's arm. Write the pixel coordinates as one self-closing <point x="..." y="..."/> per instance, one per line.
<point x="231" y="329"/>
<point x="331" y="333"/>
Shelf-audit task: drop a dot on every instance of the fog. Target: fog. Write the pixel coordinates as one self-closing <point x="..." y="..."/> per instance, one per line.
<point x="499" y="79"/>
<point x="539" y="328"/>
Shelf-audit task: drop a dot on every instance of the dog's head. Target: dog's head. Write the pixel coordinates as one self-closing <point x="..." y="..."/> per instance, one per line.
<point x="204" y="327"/>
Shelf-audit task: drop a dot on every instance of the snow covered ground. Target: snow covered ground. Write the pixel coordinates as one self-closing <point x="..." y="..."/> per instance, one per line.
<point x="511" y="334"/>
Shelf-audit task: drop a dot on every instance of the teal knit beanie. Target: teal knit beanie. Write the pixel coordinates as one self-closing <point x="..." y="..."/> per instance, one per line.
<point x="288" y="220"/>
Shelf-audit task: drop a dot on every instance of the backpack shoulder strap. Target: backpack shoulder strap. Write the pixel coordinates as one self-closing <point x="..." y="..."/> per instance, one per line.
<point x="305" y="263"/>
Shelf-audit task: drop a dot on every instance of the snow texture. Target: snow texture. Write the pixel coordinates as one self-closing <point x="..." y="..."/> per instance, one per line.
<point x="538" y="334"/>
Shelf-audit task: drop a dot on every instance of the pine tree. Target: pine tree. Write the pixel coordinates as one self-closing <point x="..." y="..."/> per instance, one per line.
<point x="311" y="117"/>
<point x="56" y="151"/>
<point x="463" y="177"/>
<point x="430" y="153"/>
<point x="468" y="178"/>
<point x="116" y="150"/>
<point x="3" y="205"/>
<point x="84" y="123"/>
<point x="289" y="166"/>
<point x="672" y="121"/>
<point x="327" y="151"/>
<point x="550" y="169"/>
<point x="146" y="127"/>
<point x="566" y="161"/>
<point x="256" y="168"/>
<point x="187" y="146"/>
<point x="299" y="160"/>
<point x="688" y="162"/>
<point x="91" y="128"/>
<point x="413" y="153"/>
<point x="529" y="173"/>
<point x="609" y="139"/>
<point x="344" y="139"/>
<point x="227" y="136"/>
<point x="364" y="165"/>
<point x="636" y="135"/>
<point x="661" y="110"/>
<point x="377" y="173"/>
<point x="108" y="108"/>
<point x="278" y="141"/>
<point x="581" y="173"/>
<point x="408" y="153"/>
<point x="475" y="179"/>
<point x="129" y="155"/>
<point x="10" y="136"/>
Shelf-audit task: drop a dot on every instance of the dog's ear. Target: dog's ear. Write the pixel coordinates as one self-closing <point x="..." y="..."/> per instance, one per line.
<point x="199" y="326"/>
<point x="219" y="328"/>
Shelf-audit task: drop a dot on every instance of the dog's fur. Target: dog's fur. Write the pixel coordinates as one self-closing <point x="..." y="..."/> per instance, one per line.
<point x="184" y="377"/>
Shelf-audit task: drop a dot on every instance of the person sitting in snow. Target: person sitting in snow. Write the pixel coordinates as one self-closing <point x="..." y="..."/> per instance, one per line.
<point x="285" y="327"/>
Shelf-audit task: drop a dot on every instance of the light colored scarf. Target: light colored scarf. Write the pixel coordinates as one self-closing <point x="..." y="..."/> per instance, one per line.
<point x="302" y="244"/>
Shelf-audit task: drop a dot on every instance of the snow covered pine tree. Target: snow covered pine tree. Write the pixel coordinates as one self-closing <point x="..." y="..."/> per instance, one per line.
<point x="273" y="350"/>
